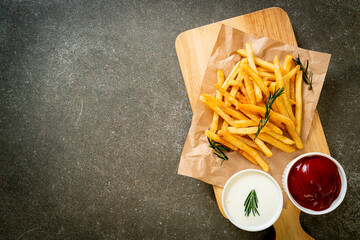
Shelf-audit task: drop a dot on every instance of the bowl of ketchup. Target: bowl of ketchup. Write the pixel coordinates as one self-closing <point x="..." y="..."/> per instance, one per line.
<point x="315" y="183"/>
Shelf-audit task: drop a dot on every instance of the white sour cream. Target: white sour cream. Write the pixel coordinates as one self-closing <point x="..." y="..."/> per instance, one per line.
<point x="269" y="197"/>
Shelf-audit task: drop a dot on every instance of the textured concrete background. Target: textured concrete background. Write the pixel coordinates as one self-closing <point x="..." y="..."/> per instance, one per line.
<point x="94" y="114"/>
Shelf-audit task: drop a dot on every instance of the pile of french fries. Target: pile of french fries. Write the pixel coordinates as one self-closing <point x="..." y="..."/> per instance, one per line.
<point x="239" y="105"/>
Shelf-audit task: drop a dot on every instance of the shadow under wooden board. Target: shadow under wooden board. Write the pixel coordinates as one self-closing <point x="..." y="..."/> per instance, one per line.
<point x="193" y="49"/>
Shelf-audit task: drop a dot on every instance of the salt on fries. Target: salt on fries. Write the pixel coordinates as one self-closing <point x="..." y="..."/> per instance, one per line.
<point x="242" y="101"/>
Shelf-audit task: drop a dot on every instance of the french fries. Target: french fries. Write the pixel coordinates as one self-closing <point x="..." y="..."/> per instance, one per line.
<point x="216" y="109"/>
<point x="244" y="131"/>
<point x="242" y="103"/>
<point x="252" y="152"/>
<point x="250" y="57"/>
<point x="298" y="99"/>
<point x="287" y="65"/>
<point x="262" y="146"/>
<point x="215" y="121"/>
<point x="250" y="89"/>
<point x="276" y="143"/>
<point x="280" y="83"/>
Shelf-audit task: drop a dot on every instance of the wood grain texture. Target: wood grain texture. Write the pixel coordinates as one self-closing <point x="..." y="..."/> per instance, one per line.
<point x="193" y="49"/>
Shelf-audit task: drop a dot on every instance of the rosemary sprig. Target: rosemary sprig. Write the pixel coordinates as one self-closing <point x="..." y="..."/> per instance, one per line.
<point x="307" y="79"/>
<point x="219" y="148"/>
<point x="251" y="204"/>
<point x="269" y="102"/>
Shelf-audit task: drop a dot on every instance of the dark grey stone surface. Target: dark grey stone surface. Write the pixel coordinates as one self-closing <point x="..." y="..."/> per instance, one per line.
<point x="94" y="114"/>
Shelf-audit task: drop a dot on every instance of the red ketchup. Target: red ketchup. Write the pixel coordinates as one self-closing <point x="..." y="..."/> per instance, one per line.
<point x="314" y="182"/>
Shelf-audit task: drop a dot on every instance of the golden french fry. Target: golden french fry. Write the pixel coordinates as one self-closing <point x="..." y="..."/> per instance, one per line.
<point x="276" y="143"/>
<point x="257" y="79"/>
<point x="231" y="76"/>
<point x="272" y="90"/>
<point x="262" y="146"/>
<point x="232" y="93"/>
<point x="279" y="104"/>
<point x="279" y="125"/>
<point x="292" y="88"/>
<point x="224" y="126"/>
<point x="281" y="118"/>
<point x="251" y="108"/>
<point x="215" y="108"/>
<point x="261" y="69"/>
<point x="233" y="82"/>
<point x="246" y="130"/>
<point x="250" y="89"/>
<point x="262" y="63"/>
<point x="240" y="76"/>
<point x="244" y="92"/>
<point x="258" y="93"/>
<point x="279" y="83"/>
<point x="298" y="106"/>
<point x="248" y="157"/>
<point x="275" y="107"/>
<point x="245" y="123"/>
<point x="281" y="138"/>
<point x="218" y="139"/>
<point x="267" y="83"/>
<point x="270" y="76"/>
<point x="288" y="63"/>
<point x="291" y="74"/>
<point x="261" y="104"/>
<point x="220" y="76"/>
<point x="247" y="141"/>
<point x="257" y="119"/>
<point x="272" y="87"/>
<point x="215" y="121"/>
<point x="283" y="112"/>
<point x="213" y="99"/>
<point x="241" y="98"/>
<point x="296" y="137"/>
<point x="235" y="113"/>
<point x="242" y="146"/>
<point x="228" y="97"/>
<point x="238" y="80"/>
<point x="290" y="128"/>
<point x="234" y="90"/>
<point x="250" y="57"/>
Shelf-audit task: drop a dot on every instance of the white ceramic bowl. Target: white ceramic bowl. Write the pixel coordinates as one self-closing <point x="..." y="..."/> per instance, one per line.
<point x="336" y="202"/>
<point x="273" y="218"/>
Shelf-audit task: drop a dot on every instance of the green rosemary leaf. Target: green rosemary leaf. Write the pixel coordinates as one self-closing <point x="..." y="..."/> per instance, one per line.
<point x="221" y="147"/>
<point x="307" y="79"/>
<point x="269" y="102"/>
<point x="218" y="150"/>
<point x="247" y="200"/>
<point x="251" y="204"/>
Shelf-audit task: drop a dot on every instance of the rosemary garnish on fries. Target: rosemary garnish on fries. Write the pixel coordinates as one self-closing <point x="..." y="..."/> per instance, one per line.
<point x="219" y="148"/>
<point x="269" y="102"/>
<point x="307" y="79"/>
<point x="251" y="204"/>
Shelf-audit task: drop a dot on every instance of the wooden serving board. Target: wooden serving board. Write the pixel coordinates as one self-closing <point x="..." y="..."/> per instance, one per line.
<point x="193" y="49"/>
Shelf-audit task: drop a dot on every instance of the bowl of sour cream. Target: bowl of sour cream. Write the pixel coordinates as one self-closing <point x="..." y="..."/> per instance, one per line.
<point x="252" y="200"/>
